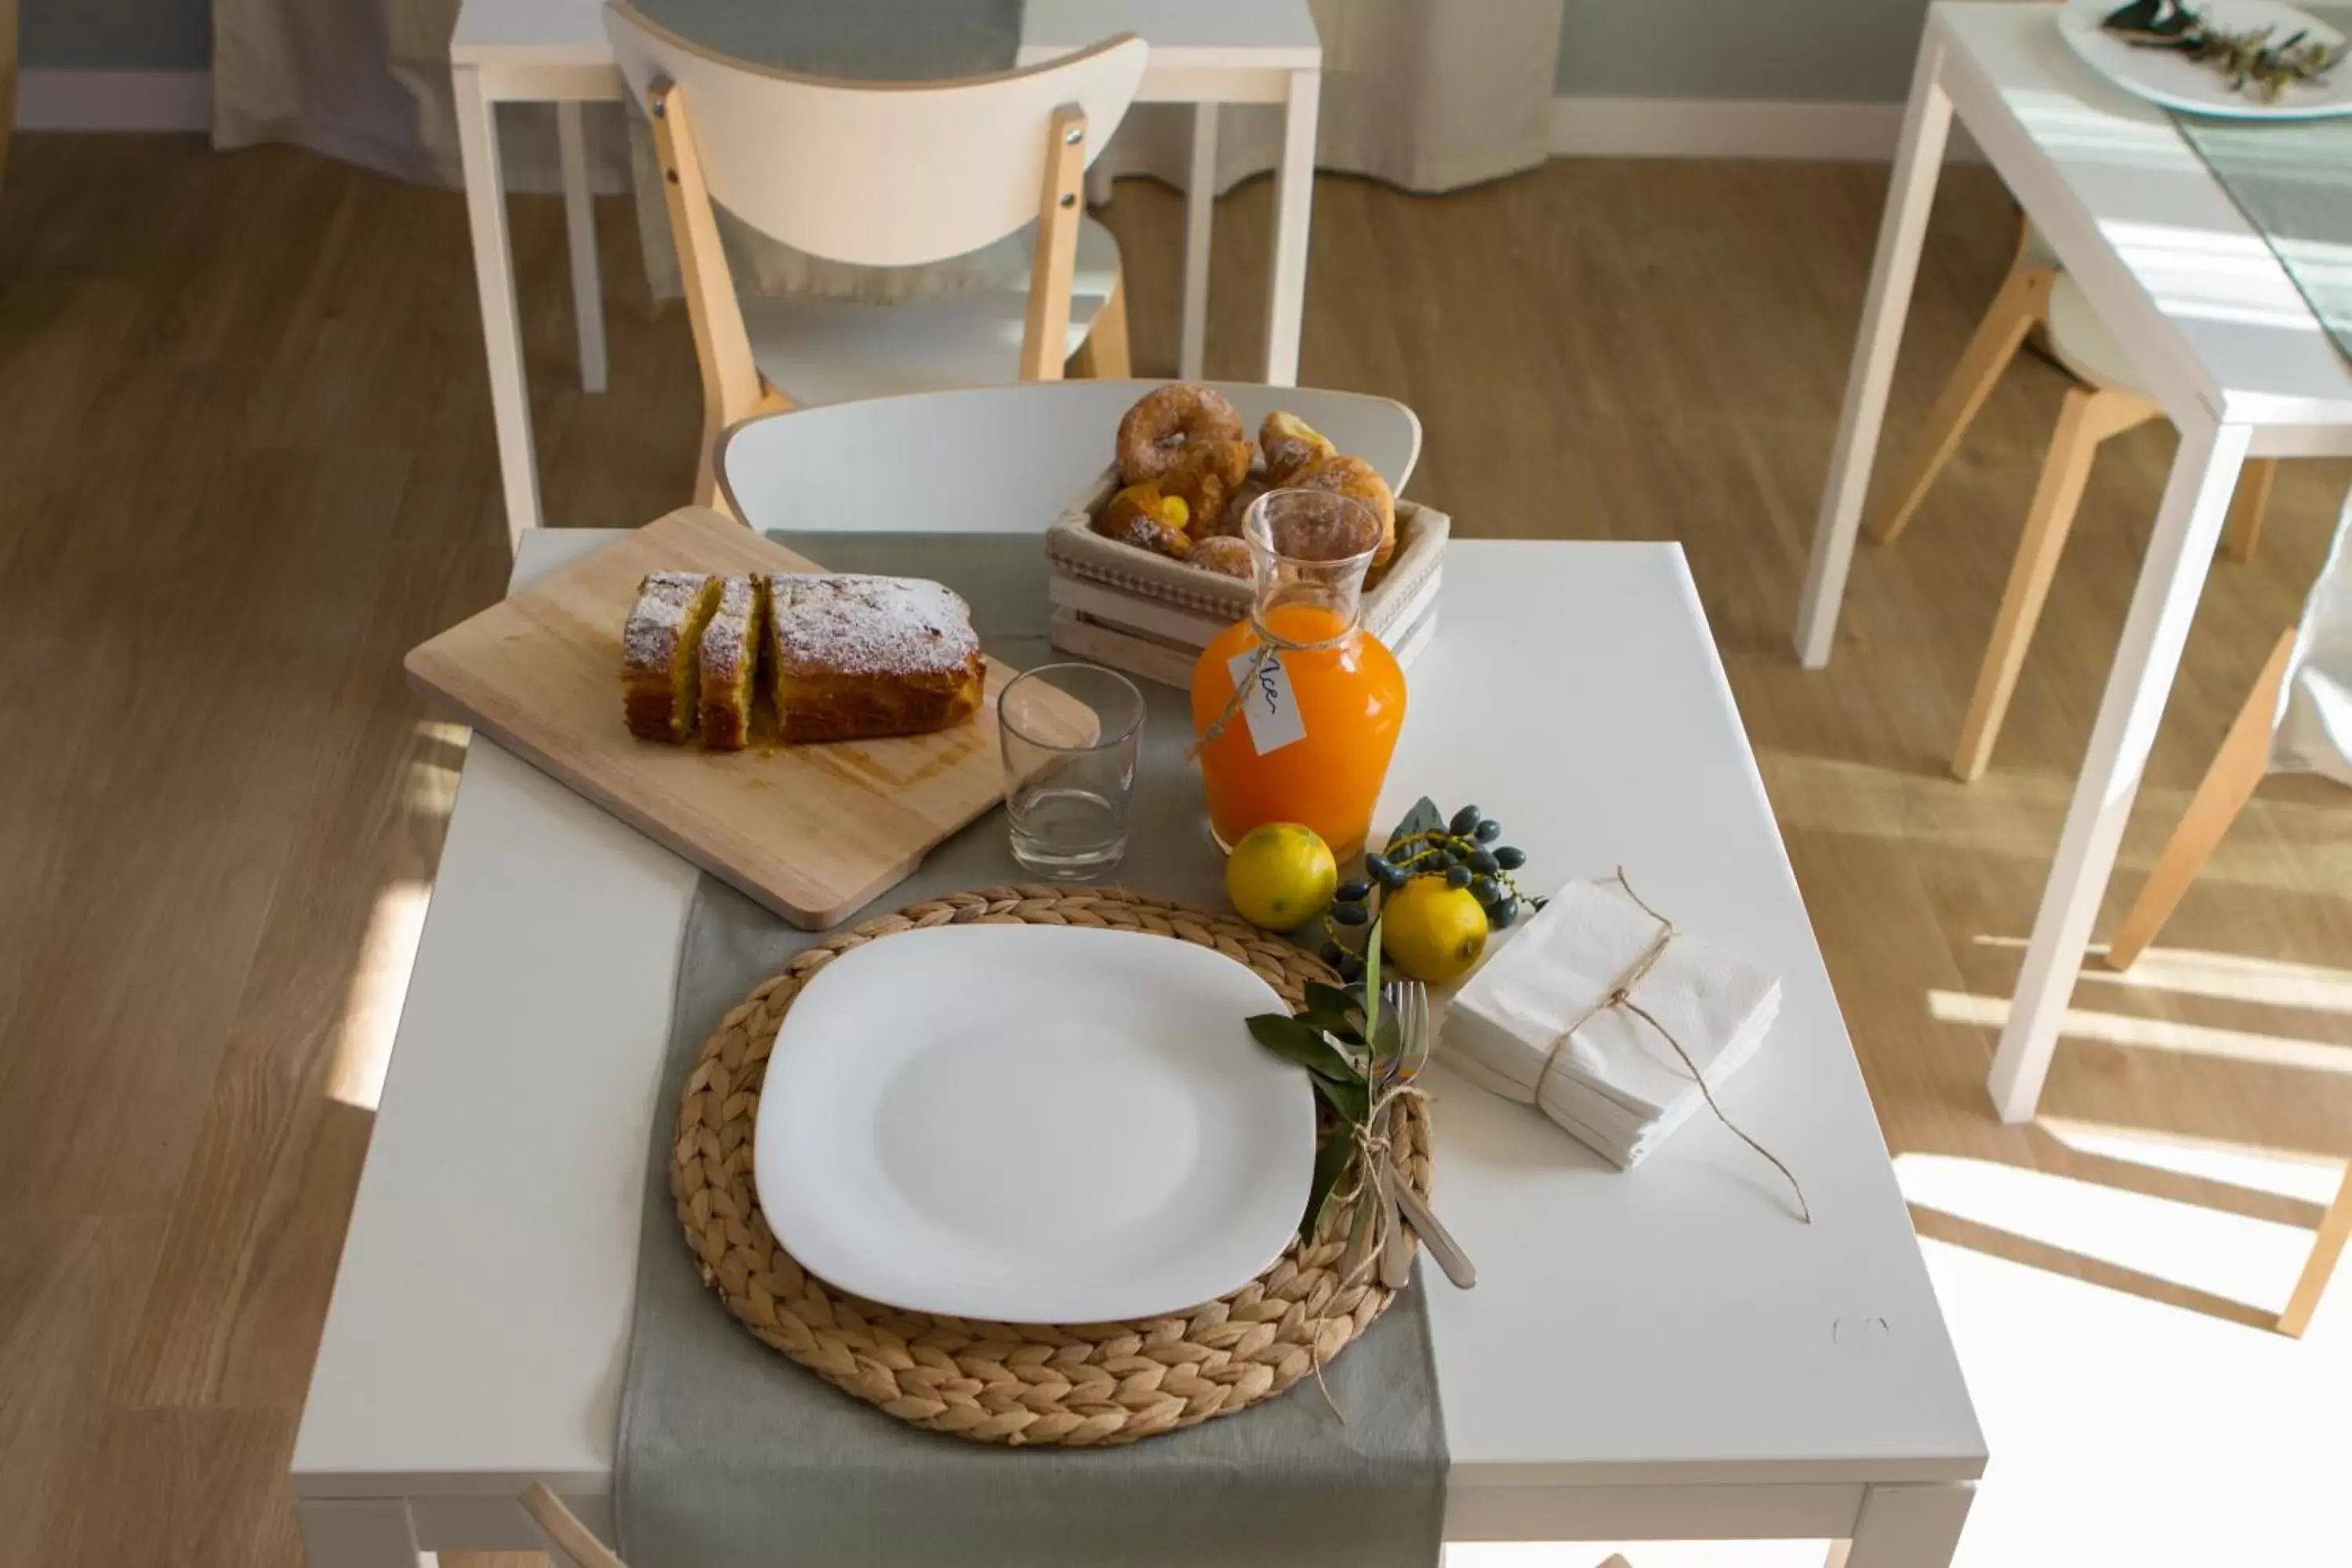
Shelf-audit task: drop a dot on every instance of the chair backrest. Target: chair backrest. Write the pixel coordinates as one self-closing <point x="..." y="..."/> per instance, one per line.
<point x="876" y="173"/>
<point x="992" y="460"/>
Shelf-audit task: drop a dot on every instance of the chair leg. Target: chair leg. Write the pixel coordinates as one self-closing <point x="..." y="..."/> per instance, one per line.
<point x="2326" y="1248"/>
<point x="2022" y="301"/>
<point x="2242" y="534"/>
<point x="2229" y="779"/>
<point x="573" y="1542"/>
<point x="1104" y="355"/>
<point x="2087" y="418"/>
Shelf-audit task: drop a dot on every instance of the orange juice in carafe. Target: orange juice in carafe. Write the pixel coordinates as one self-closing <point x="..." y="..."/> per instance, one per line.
<point x="1297" y="707"/>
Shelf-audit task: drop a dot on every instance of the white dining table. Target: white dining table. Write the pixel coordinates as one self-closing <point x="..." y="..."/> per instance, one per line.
<point x="1203" y="52"/>
<point x="2215" y="329"/>
<point x="1669" y="1353"/>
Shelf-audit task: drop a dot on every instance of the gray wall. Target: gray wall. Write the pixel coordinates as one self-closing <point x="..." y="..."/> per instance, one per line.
<point x="1807" y="50"/>
<point x="116" y="35"/>
<point x="1811" y="50"/>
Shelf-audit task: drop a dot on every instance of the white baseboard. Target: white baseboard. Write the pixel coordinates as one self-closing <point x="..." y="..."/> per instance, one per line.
<point x="1719" y="128"/>
<point x="53" y="100"/>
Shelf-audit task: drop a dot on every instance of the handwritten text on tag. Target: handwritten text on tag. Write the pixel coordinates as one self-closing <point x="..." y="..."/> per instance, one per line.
<point x="1268" y="705"/>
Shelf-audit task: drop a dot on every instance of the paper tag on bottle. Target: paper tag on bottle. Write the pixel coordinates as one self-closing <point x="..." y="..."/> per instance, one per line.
<point x="1269" y="706"/>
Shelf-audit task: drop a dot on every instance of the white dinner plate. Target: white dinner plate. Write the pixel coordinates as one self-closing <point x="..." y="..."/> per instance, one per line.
<point x="1034" y="1124"/>
<point x="2162" y="76"/>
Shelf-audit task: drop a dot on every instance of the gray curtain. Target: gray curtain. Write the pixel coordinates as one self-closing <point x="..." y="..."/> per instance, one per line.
<point x="1428" y="95"/>
<point x="367" y="81"/>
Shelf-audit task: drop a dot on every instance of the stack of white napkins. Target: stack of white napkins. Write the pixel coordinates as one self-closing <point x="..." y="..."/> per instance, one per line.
<point x="1614" y="1082"/>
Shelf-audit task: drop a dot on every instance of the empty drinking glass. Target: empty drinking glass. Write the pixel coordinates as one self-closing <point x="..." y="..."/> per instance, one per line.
<point x="1070" y="734"/>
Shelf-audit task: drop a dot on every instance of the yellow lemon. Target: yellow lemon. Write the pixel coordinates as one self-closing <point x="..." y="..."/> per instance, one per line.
<point x="1280" y="874"/>
<point x="1432" y="932"/>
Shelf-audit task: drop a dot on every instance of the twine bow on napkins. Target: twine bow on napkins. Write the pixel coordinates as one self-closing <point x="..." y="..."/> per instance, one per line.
<point x="1614" y="1023"/>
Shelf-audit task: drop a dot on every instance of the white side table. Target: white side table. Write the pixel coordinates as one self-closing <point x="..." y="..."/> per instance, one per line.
<point x="2214" y="327"/>
<point x="1203" y="52"/>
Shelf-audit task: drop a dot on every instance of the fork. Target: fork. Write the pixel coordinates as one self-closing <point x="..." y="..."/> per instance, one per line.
<point x="1408" y="1002"/>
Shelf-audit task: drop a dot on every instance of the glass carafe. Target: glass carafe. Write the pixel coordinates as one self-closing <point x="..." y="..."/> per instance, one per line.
<point x="1320" y="701"/>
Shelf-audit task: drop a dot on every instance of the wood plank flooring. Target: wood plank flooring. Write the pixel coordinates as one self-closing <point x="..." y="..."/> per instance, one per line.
<point x="245" y="461"/>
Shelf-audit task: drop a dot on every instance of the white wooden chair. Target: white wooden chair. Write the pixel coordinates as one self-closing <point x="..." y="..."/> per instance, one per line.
<point x="883" y="174"/>
<point x="998" y="459"/>
<point x="2106" y="401"/>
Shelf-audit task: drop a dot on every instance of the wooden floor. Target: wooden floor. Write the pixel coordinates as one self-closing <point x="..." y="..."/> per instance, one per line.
<point x="245" y="461"/>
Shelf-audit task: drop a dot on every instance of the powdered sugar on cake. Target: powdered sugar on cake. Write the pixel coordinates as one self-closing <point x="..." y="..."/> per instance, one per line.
<point x="665" y="600"/>
<point x="879" y="626"/>
<point x="726" y="640"/>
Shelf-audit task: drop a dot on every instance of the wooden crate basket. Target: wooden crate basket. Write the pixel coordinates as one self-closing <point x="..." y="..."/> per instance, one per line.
<point x="1148" y="615"/>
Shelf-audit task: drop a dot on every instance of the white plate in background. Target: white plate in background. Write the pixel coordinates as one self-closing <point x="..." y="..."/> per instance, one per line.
<point x="2177" y="82"/>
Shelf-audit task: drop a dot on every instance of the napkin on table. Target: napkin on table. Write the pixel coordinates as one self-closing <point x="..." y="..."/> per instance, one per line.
<point x="1615" y="1083"/>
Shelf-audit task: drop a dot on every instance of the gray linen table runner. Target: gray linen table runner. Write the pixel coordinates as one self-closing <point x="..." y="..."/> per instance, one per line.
<point x="730" y="1455"/>
<point x="2292" y="180"/>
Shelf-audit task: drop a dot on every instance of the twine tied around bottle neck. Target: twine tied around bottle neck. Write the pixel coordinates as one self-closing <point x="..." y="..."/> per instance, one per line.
<point x="1270" y="645"/>
<point x="1620" y="995"/>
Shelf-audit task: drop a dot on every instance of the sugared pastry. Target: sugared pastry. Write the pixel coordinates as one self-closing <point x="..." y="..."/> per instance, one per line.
<point x="1290" y="444"/>
<point x="1155" y="433"/>
<point x="1221" y="554"/>
<point x="1142" y="516"/>
<point x="1355" y="476"/>
<point x="1205" y="478"/>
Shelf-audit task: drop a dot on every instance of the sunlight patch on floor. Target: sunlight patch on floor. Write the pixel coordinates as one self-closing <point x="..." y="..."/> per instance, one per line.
<point x="2310" y="1178"/>
<point x="2226" y="976"/>
<point x="2229" y="1254"/>
<point x="2154" y="1034"/>
<point x="2127" y="1431"/>
<point x="379" y="985"/>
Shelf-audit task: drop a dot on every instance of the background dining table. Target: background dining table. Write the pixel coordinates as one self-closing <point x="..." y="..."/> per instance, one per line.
<point x="2220" y="335"/>
<point x="1664" y="1354"/>
<point x="1203" y="52"/>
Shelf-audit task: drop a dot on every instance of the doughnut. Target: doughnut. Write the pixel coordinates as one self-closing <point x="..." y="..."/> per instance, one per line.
<point x="1155" y="432"/>
<point x="1205" y="476"/>
<point x="1290" y="444"/>
<point x="1355" y="476"/>
<point x="1142" y="516"/>
<point x="1220" y="553"/>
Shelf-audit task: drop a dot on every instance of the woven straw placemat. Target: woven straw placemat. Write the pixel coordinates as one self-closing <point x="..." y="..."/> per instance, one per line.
<point x="1018" y="1384"/>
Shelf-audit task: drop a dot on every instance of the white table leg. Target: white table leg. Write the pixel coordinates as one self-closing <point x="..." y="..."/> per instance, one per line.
<point x="1294" y="196"/>
<point x="485" y="205"/>
<point x="2180" y="552"/>
<point x="357" y="1532"/>
<point x="1907" y="1527"/>
<point x="1200" y="209"/>
<point x="1910" y="192"/>
<point x="579" y="222"/>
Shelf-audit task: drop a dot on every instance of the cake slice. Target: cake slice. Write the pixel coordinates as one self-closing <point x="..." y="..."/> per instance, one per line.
<point x="731" y="662"/>
<point x="858" y="657"/>
<point x="659" y="650"/>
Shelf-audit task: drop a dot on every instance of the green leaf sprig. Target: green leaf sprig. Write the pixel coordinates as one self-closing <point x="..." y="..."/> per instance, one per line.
<point x="1346" y="1044"/>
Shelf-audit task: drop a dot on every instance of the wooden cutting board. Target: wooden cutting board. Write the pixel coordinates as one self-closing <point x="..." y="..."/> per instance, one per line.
<point x="814" y="832"/>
